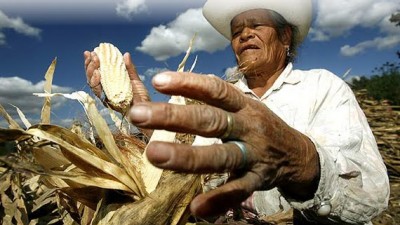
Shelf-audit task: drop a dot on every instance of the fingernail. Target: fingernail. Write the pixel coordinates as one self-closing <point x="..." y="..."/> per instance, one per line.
<point x="158" y="156"/>
<point x="161" y="79"/>
<point x="140" y="113"/>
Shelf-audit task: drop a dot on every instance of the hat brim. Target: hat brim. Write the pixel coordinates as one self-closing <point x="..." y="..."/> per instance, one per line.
<point x="220" y="13"/>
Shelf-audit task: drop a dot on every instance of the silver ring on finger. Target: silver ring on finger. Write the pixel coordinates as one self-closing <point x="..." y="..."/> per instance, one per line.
<point x="243" y="150"/>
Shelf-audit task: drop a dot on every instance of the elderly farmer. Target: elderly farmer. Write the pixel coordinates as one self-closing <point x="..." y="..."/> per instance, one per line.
<point x="289" y="138"/>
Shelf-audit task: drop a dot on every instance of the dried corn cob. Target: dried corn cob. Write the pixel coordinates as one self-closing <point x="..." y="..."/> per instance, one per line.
<point x="114" y="77"/>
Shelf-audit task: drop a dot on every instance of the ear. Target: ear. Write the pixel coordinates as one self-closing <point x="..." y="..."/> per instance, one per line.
<point x="287" y="36"/>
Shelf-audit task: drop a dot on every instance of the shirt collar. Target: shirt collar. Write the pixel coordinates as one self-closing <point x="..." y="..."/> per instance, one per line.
<point x="287" y="76"/>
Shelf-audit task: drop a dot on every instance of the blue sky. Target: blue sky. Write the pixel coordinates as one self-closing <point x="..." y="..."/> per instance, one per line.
<point x="345" y="35"/>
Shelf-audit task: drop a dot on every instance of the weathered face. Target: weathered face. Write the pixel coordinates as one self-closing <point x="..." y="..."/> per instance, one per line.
<point x="255" y="42"/>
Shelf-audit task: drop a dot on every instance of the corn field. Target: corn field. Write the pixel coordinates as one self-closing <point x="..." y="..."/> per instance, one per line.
<point x="58" y="175"/>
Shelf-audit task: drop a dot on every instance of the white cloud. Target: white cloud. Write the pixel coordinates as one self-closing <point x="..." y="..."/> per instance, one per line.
<point x="378" y="43"/>
<point x="170" y="40"/>
<point x="335" y="18"/>
<point x="129" y="8"/>
<point x="19" y="92"/>
<point x="18" y="25"/>
<point x="390" y="40"/>
<point x="318" y="35"/>
<point x="338" y="18"/>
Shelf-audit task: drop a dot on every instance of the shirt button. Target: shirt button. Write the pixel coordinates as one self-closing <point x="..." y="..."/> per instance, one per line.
<point x="324" y="208"/>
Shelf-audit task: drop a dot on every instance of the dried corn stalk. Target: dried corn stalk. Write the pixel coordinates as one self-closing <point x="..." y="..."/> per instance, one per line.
<point x="91" y="183"/>
<point x="114" y="77"/>
<point x="45" y="115"/>
<point x="151" y="174"/>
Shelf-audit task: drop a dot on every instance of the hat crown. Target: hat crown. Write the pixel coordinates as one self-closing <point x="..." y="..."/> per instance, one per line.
<point x="220" y="13"/>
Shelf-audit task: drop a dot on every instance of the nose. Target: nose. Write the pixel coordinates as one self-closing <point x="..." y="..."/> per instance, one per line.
<point x="246" y="34"/>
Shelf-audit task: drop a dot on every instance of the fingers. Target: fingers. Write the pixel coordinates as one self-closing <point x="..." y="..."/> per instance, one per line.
<point x="92" y="64"/>
<point x="195" y="159"/>
<point x="140" y="93"/>
<point x="95" y="84"/>
<point x="86" y="55"/>
<point x="203" y="120"/>
<point x="209" y="89"/>
<point x="227" y="196"/>
<point x="130" y="67"/>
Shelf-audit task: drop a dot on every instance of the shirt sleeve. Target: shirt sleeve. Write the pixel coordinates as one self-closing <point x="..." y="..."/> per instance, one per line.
<point x="354" y="185"/>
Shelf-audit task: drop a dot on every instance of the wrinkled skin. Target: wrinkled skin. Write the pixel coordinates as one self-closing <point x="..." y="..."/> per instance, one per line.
<point x="277" y="156"/>
<point x="273" y="147"/>
<point x="255" y="42"/>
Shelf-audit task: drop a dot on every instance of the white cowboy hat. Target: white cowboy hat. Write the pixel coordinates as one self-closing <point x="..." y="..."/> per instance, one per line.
<point x="219" y="13"/>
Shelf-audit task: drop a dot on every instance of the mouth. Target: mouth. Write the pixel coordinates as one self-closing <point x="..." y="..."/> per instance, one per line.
<point x="248" y="47"/>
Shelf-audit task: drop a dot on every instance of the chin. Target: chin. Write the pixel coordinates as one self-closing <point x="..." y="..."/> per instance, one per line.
<point x="248" y="65"/>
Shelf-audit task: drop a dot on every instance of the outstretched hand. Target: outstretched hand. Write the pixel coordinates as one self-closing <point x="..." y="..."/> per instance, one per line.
<point x="276" y="154"/>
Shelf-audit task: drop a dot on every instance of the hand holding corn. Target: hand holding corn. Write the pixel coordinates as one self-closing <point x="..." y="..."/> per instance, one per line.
<point x="105" y="72"/>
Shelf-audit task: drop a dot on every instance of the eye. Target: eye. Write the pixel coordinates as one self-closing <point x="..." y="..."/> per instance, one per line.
<point x="258" y="26"/>
<point x="237" y="32"/>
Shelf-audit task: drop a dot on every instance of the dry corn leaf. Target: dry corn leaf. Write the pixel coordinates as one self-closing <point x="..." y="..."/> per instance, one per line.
<point x="21" y="215"/>
<point x="24" y="120"/>
<point x="106" y="136"/>
<point x="182" y="213"/>
<point x="45" y="115"/>
<point x="54" y="182"/>
<point x="73" y="139"/>
<point x="97" y="212"/>
<point x="87" y="197"/>
<point x="94" y="160"/>
<point x="118" y="122"/>
<point x="12" y="201"/>
<point x="9" y="119"/>
<point x="160" y="206"/>
<point x="151" y="174"/>
<point x="87" y="214"/>
<point x="105" y="213"/>
<point x="9" y="209"/>
<point x="66" y="180"/>
<point x="193" y="64"/>
<point x="100" y="215"/>
<point x="46" y="198"/>
<point x="50" y="156"/>
<point x="181" y="66"/>
<point x="6" y="183"/>
<point x="88" y="180"/>
<point x="13" y="135"/>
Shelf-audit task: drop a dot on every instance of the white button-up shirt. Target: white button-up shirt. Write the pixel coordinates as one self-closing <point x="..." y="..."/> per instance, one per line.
<point x="354" y="185"/>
